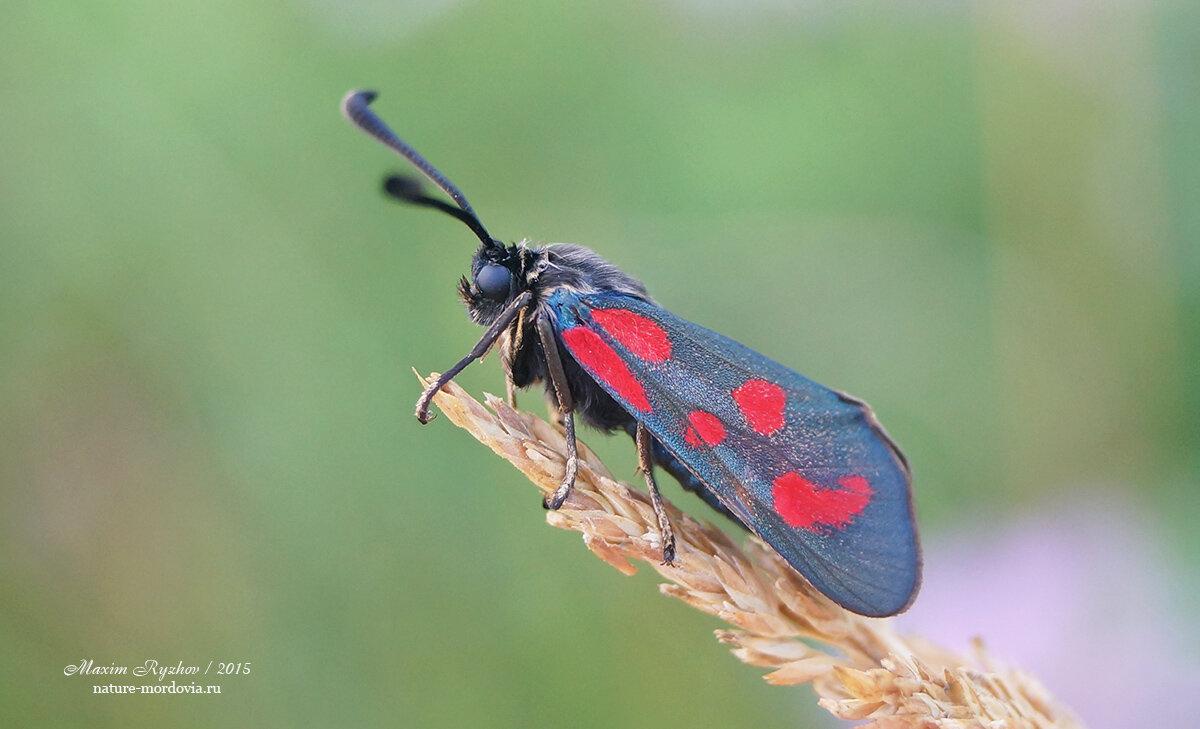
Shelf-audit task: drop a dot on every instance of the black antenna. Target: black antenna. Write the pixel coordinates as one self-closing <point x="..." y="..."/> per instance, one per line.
<point x="355" y="109"/>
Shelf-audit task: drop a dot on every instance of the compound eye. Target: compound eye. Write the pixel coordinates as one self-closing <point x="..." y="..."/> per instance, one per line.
<point x="494" y="281"/>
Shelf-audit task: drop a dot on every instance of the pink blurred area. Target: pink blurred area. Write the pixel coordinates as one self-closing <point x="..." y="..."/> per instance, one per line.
<point x="1082" y="593"/>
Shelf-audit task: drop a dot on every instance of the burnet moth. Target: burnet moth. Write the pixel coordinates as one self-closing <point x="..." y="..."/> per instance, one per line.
<point x="808" y="469"/>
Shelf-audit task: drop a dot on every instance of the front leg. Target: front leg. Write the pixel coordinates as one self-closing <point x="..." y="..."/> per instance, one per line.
<point x="481" y="348"/>
<point x="566" y="408"/>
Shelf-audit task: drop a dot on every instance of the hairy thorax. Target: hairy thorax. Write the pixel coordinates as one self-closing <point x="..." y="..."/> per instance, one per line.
<point x="544" y="271"/>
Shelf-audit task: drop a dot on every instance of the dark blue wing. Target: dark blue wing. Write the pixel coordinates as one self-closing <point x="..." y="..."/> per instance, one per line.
<point x="806" y="468"/>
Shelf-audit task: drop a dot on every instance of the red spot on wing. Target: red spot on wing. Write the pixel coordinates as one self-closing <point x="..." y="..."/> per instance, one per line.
<point x="642" y="336"/>
<point x="805" y="505"/>
<point x="606" y="365"/>
<point x="705" y="427"/>
<point x="761" y="403"/>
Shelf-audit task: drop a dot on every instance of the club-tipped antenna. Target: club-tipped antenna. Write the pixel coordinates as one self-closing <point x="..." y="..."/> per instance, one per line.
<point x="409" y="190"/>
<point x="355" y="107"/>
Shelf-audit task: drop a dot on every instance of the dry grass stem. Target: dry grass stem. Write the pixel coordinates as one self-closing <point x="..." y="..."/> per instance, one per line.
<point x="859" y="668"/>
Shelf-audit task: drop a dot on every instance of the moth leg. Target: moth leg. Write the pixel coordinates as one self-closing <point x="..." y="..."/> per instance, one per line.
<point x="510" y="391"/>
<point x="510" y="387"/>
<point x="481" y="348"/>
<point x="555" y="500"/>
<point x="566" y="409"/>
<point x="688" y="480"/>
<point x="646" y="465"/>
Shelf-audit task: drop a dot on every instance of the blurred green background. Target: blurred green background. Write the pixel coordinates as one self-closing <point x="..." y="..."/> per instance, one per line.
<point x="984" y="220"/>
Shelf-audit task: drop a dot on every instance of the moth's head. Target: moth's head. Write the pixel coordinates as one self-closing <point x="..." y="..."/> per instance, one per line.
<point x="497" y="277"/>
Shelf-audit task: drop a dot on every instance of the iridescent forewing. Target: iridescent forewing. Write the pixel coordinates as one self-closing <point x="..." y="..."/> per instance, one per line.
<point x="806" y="468"/>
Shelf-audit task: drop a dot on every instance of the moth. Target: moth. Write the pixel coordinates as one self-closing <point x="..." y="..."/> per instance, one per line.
<point x="808" y="469"/>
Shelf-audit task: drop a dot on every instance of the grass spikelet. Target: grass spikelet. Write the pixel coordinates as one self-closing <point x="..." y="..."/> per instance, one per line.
<point x="859" y="667"/>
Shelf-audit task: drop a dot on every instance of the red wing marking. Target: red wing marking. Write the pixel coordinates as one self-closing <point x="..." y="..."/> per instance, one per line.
<point x="639" y="335"/>
<point x="761" y="403"/>
<point x="705" y="427"/>
<point x="805" y="505"/>
<point x="595" y="354"/>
